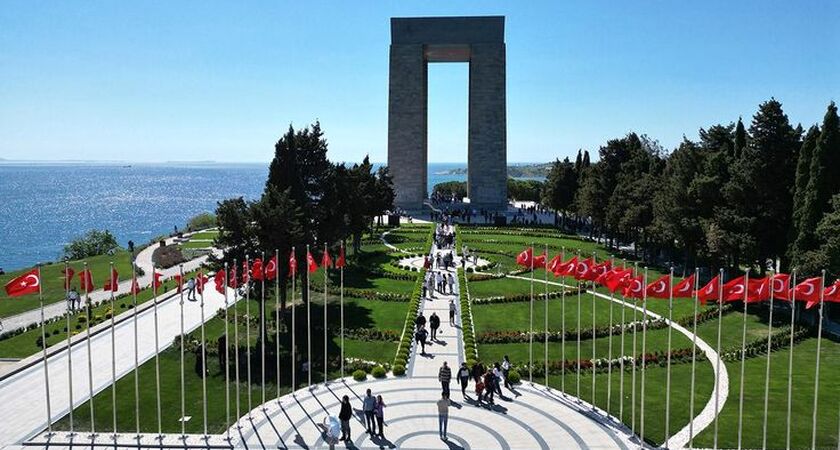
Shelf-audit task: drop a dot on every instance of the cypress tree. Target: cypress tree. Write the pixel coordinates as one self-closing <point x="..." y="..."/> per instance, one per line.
<point x="740" y="138"/>
<point x="803" y="174"/>
<point x="586" y="159"/>
<point x="579" y="162"/>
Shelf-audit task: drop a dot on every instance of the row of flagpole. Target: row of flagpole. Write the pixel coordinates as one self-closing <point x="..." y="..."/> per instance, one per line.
<point x="717" y="285"/>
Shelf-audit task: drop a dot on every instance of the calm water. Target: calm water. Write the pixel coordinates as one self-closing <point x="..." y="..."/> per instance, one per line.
<point x="46" y="205"/>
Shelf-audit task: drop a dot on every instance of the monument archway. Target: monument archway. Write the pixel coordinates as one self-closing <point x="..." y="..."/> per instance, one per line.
<point x="415" y="42"/>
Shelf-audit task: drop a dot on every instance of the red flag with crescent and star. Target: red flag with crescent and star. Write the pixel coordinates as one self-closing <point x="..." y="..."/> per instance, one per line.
<point x="525" y="257"/>
<point x="583" y="271"/>
<point x="808" y="291"/>
<point x="246" y="277"/>
<point x="86" y="281"/>
<point x="233" y="281"/>
<point x="271" y="268"/>
<point x="68" y="276"/>
<point x="113" y="283"/>
<point x="28" y="283"/>
<point x="179" y="281"/>
<point x="635" y="287"/>
<point x="311" y="265"/>
<point x="780" y="285"/>
<point x="135" y="287"/>
<point x="567" y="268"/>
<point x="257" y="269"/>
<point x="292" y="264"/>
<point x="660" y="288"/>
<point x="554" y="264"/>
<point x="156" y="276"/>
<point x="684" y="288"/>
<point x="832" y="293"/>
<point x="341" y="261"/>
<point x="326" y="260"/>
<point x="220" y="281"/>
<point x="711" y="291"/>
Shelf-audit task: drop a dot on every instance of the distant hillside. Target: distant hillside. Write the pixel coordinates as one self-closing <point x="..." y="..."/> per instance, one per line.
<point x="539" y="170"/>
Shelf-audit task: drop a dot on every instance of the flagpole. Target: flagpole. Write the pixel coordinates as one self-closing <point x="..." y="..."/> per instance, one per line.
<point x="136" y="353"/>
<point x="717" y="368"/>
<point x="635" y="358"/>
<point x="114" y="284"/>
<point x="69" y="352"/>
<point x="227" y="357"/>
<point x="563" y="326"/>
<point x="767" y="371"/>
<point x="236" y="343"/>
<point x="262" y="328"/>
<point x="277" y="317"/>
<point x="609" y="351"/>
<point x="644" y="346"/>
<point x="790" y="357"/>
<point x="246" y="277"/>
<point x="546" y="316"/>
<point x="183" y="344"/>
<point x="817" y="372"/>
<point x="341" y="303"/>
<point x="668" y="369"/>
<point x="157" y="357"/>
<point x="88" y="278"/>
<point x="743" y="360"/>
<point x="294" y="364"/>
<point x="326" y="268"/>
<point x="44" y="353"/>
<point x="308" y="325"/>
<point x="577" y="375"/>
<point x="203" y="360"/>
<point x="621" y="358"/>
<point x="531" y="324"/>
<point x="693" y="361"/>
<point x="593" y="339"/>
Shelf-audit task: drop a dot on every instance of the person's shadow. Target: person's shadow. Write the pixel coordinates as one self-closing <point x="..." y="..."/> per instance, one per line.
<point x="382" y="442"/>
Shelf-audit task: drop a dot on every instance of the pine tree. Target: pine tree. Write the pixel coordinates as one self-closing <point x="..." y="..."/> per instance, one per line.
<point x="560" y="187"/>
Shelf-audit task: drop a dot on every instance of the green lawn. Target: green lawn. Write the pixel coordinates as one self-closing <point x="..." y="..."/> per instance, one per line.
<point x="516" y="316"/>
<point x="52" y="280"/>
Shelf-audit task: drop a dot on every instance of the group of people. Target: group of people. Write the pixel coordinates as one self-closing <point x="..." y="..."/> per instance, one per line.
<point x="374" y="411"/>
<point x="488" y="380"/>
<point x="440" y="282"/>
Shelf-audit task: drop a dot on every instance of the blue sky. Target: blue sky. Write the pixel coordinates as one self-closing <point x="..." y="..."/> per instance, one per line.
<point x="158" y="81"/>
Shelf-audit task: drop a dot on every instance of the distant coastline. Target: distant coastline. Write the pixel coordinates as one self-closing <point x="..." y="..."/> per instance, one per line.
<point x="529" y="170"/>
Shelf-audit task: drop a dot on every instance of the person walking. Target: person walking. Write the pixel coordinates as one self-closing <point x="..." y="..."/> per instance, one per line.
<point x="368" y="406"/>
<point x="72" y="299"/>
<point x="332" y="426"/>
<point x="420" y="321"/>
<point x="489" y="388"/>
<point x="445" y="377"/>
<point x="344" y="416"/>
<point x="420" y="337"/>
<point x="452" y="312"/>
<point x="479" y="391"/>
<point x="450" y="280"/>
<point x="443" y="414"/>
<point x="463" y="378"/>
<point x="434" y="324"/>
<point x="191" y="289"/>
<point x="378" y="411"/>
<point x="497" y="379"/>
<point x="505" y="371"/>
<point x="477" y="371"/>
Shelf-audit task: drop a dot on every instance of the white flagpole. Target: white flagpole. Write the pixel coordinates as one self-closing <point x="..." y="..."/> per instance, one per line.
<point x="294" y="359"/>
<point x="157" y="358"/>
<point x="563" y="326"/>
<point x="136" y="354"/>
<point x="531" y="324"/>
<point x="326" y="288"/>
<point x="308" y="325"/>
<point x="236" y="344"/>
<point x="247" y="276"/>
<point x="790" y="358"/>
<point x="609" y="351"/>
<point x="743" y="360"/>
<point x="592" y="339"/>
<point x="114" y="284"/>
<point x="341" y="302"/>
<point x="717" y="368"/>
<point x="668" y="358"/>
<point x="70" y="353"/>
<point x="693" y="362"/>
<point x="577" y="375"/>
<point x="546" y="315"/>
<point x="227" y="357"/>
<point x="44" y="353"/>
<point x="262" y="328"/>
<point x="644" y="347"/>
<point x="277" y="316"/>
<point x="88" y="278"/>
<point x="635" y="360"/>
<point x="817" y="371"/>
<point x="767" y="369"/>
<point x="183" y="344"/>
<point x="621" y="359"/>
<point x="203" y="361"/>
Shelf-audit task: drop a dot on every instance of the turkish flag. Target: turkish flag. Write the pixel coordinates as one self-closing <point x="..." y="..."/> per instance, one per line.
<point x="156" y="276"/>
<point x="135" y="287"/>
<point x="271" y="268"/>
<point x="808" y="291"/>
<point x="246" y="276"/>
<point x="200" y="281"/>
<point x="832" y="293"/>
<point x="525" y="258"/>
<point x="233" y="281"/>
<point x="758" y="290"/>
<point x="341" y="261"/>
<point x="179" y="280"/>
<point x="539" y="260"/>
<point x="781" y="286"/>
<point x="68" y="276"/>
<point x="113" y="283"/>
<point x="257" y="269"/>
<point x="28" y="283"/>
<point x="735" y="289"/>
<point x="635" y="287"/>
<point x="617" y="278"/>
<point x="311" y="265"/>
<point x="684" y="288"/>
<point x="583" y="270"/>
<point x="220" y="281"/>
<point x="292" y="264"/>
<point x="567" y="268"/>
<point x="711" y="291"/>
<point x="86" y="281"/>
<point x="600" y="270"/>
<point x="554" y="264"/>
<point x="326" y="260"/>
<point x="660" y="288"/>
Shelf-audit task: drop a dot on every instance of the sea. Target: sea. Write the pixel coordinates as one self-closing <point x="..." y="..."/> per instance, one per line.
<point x="43" y="206"/>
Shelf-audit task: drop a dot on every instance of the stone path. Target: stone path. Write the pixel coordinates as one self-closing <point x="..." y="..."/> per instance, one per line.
<point x="143" y="260"/>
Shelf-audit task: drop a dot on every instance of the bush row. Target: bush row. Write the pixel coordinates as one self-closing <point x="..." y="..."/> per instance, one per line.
<point x="407" y="339"/>
<point x="514" y="298"/>
<point x="367" y="294"/>
<point x="478" y="277"/>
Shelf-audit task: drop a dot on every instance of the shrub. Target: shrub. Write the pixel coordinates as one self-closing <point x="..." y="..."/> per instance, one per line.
<point x="514" y="377"/>
<point x="92" y="243"/>
<point x="470" y="363"/>
<point x="399" y="370"/>
<point x="360" y="375"/>
<point x="378" y="372"/>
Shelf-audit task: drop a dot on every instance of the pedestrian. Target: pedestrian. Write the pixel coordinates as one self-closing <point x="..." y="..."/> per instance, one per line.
<point x="420" y="337"/>
<point x="199" y="361"/>
<point x="452" y="312"/>
<point x="434" y="324"/>
<point x="420" y="321"/>
<point x="368" y="406"/>
<point x="344" y="416"/>
<point x="439" y="282"/>
<point x="445" y="377"/>
<point x="463" y="378"/>
<point x="477" y="371"/>
<point x="451" y="281"/>
<point x="443" y="414"/>
<point x="497" y="379"/>
<point x="506" y="371"/>
<point x="191" y="289"/>
<point x="72" y="299"/>
<point x="489" y="388"/>
<point x="379" y="412"/>
<point x="479" y="391"/>
<point x="464" y="262"/>
<point x="332" y="426"/>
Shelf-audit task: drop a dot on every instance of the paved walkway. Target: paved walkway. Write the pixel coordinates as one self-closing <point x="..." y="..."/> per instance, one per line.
<point x="143" y="260"/>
